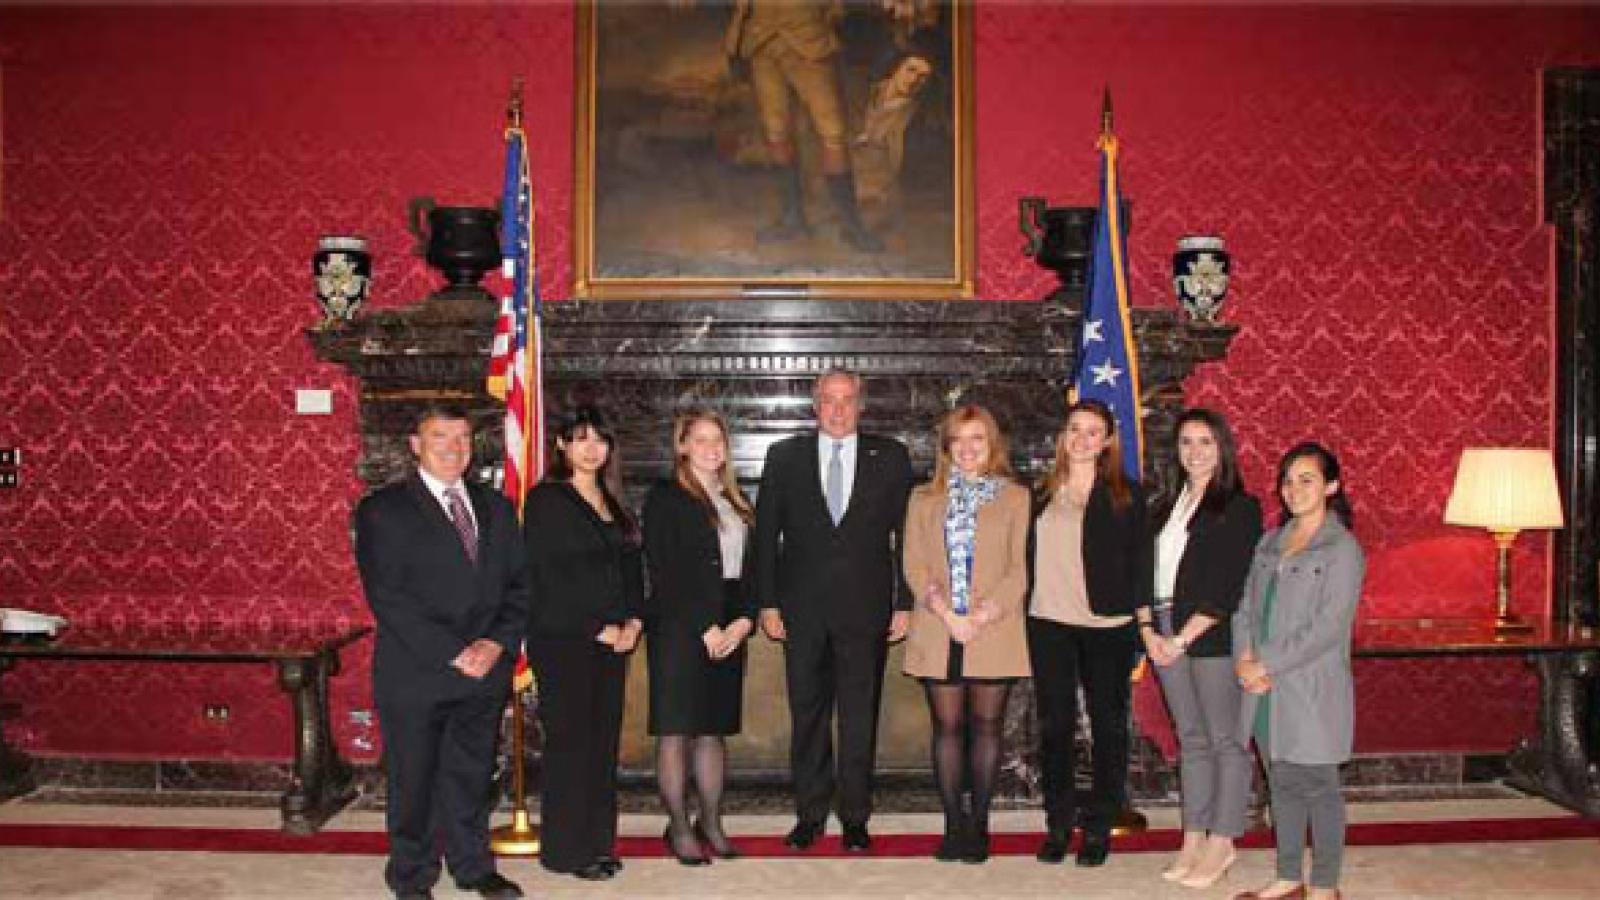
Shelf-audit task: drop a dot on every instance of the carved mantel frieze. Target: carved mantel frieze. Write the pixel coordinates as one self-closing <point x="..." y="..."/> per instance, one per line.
<point x="755" y="359"/>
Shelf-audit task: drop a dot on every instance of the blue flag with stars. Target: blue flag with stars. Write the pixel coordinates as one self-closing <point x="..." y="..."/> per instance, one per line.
<point x="1108" y="364"/>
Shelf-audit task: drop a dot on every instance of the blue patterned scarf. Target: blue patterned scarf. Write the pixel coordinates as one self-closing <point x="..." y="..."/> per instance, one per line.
<point x="965" y="498"/>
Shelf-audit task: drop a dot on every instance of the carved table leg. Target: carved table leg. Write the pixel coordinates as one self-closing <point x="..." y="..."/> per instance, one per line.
<point x="323" y="782"/>
<point x="16" y="770"/>
<point x="1554" y="763"/>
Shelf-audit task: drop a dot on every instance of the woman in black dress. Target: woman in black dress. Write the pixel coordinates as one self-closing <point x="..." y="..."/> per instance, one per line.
<point x="695" y="533"/>
<point x="586" y="593"/>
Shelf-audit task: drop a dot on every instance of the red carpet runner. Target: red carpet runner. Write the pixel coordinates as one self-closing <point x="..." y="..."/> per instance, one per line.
<point x="260" y="840"/>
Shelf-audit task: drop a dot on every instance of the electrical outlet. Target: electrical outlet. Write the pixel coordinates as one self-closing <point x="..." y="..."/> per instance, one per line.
<point x="10" y="478"/>
<point x="216" y="712"/>
<point x="10" y="457"/>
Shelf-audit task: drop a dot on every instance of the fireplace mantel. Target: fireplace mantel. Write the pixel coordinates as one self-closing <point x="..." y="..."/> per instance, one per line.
<point x="755" y="359"/>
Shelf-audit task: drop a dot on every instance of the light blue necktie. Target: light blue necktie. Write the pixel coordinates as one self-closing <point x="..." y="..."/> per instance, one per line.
<point x="834" y="486"/>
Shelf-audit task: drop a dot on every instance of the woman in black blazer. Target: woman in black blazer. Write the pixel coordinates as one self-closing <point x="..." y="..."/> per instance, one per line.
<point x="1087" y="572"/>
<point x="586" y="590"/>
<point x="696" y="530"/>
<point x="1204" y="534"/>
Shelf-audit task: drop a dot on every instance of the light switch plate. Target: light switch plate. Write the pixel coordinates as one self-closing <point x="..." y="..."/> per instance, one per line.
<point x="313" y="401"/>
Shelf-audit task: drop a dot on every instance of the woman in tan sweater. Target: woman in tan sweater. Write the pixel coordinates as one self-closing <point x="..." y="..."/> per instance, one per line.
<point x="966" y="541"/>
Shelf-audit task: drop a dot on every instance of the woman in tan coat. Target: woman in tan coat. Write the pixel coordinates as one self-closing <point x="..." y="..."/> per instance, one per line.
<point x="966" y="540"/>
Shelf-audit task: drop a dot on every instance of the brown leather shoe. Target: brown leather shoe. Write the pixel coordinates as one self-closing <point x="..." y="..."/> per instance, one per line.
<point x="1299" y="893"/>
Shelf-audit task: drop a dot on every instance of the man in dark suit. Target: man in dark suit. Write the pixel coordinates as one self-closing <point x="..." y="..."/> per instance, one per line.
<point x="442" y="562"/>
<point x="828" y="577"/>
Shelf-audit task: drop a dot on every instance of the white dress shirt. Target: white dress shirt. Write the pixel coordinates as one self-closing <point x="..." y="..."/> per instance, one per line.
<point x="437" y="488"/>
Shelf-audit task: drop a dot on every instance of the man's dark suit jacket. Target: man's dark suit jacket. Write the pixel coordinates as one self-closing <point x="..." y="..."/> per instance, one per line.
<point x="816" y="574"/>
<point x="429" y="600"/>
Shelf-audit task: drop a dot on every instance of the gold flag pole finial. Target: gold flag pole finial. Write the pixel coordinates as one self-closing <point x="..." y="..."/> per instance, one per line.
<point x="1105" y="112"/>
<point x="514" y="104"/>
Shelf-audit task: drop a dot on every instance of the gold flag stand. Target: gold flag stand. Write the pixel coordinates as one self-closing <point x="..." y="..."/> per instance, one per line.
<point x="521" y="837"/>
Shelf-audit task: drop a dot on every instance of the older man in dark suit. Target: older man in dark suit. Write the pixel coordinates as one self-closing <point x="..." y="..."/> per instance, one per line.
<point x="828" y="577"/>
<point x="442" y="563"/>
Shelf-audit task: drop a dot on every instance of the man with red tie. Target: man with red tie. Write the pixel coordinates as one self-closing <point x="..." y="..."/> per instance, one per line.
<point x="442" y="563"/>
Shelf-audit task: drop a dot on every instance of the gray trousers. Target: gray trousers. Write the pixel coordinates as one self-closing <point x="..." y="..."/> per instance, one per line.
<point x="1204" y="697"/>
<point x="1302" y="795"/>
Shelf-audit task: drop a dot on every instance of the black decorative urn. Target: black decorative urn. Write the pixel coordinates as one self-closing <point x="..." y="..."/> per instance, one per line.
<point x="463" y="242"/>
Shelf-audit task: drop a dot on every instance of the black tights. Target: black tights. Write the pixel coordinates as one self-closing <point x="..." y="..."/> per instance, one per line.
<point x="676" y="754"/>
<point x="966" y="729"/>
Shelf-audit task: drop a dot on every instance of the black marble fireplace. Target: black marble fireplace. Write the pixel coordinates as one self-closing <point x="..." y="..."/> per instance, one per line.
<point x="755" y="360"/>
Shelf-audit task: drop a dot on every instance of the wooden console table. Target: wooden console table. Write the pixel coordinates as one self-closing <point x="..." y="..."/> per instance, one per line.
<point x="305" y="656"/>
<point x="1552" y="763"/>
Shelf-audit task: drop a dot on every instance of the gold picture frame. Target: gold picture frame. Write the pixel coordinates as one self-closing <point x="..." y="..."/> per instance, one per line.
<point x="711" y="161"/>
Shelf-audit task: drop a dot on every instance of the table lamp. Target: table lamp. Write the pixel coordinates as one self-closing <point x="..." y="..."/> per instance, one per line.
<point x="1505" y="490"/>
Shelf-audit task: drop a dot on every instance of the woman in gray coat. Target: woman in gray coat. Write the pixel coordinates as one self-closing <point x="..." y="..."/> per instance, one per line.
<point x="1291" y="646"/>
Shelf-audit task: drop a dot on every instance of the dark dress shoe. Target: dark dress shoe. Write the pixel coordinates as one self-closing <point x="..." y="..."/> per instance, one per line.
<point x="1095" y="849"/>
<point x="1054" y="848"/>
<point x="493" y="886"/>
<point x="686" y="859"/>
<point x="856" y="839"/>
<point x="610" y="862"/>
<point x="951" y="848"/>
<point x="977" y="850"/>
<point x="595" y="871"/>
<point x="726" y="851"/>
<point x="803" y="835"/>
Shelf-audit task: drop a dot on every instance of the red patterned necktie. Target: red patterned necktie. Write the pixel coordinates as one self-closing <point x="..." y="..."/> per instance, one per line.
<point x="462" y="519"/>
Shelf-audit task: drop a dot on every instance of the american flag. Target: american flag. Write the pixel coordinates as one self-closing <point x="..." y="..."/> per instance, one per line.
<point x="1107" y="364"/>
<point x="516" y="364"/>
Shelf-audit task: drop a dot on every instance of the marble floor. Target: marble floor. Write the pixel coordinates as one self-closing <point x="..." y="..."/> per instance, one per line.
<point x="1536" y="869"/>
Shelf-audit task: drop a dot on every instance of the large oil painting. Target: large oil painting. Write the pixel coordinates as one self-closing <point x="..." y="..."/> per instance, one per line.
<point x="735" y="147"/>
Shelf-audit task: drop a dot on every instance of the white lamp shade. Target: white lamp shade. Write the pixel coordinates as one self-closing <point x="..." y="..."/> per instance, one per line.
<point x="1505" y="489"/>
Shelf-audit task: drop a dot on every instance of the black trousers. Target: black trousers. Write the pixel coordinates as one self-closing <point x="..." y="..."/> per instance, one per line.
<point x="827" y="670"/>
<point x="1101" y="660"/>
<point x="439" y="757"/>
<point x="580" y="684"/>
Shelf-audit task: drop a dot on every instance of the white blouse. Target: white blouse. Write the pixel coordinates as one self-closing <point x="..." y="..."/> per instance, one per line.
<point x="732" y="532"/>
<point x="1172" y="541"/>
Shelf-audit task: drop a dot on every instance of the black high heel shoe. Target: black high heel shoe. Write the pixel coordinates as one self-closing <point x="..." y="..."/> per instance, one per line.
<point x="683" y="858"/>
<point x="728" y="851"/>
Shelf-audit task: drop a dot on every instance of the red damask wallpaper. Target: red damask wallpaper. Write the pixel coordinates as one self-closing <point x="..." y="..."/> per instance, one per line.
<point x="167" y="171"/>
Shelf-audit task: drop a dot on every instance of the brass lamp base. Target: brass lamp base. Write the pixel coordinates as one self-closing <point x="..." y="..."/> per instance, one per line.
<point x="1504" y="621"/>
<point x="520" y="838"/>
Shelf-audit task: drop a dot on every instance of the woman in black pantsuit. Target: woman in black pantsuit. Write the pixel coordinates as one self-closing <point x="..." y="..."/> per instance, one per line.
<point x="1088" y="568"/>
<point x="586" y="594"/>
<point x="696" y="527"/>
